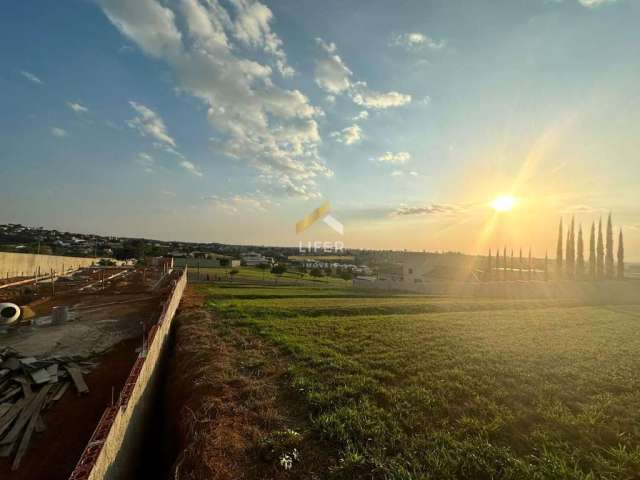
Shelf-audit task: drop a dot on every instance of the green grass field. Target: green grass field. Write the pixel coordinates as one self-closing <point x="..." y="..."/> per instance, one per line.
<point x="407" y="386"/>
<point x="255" y="273"/>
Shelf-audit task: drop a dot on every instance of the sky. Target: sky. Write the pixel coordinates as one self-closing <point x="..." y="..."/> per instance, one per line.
<point x="230" y="120"/>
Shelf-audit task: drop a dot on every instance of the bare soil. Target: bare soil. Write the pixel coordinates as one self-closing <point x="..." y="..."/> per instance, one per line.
<point x="228" y="401"/>
<point x="53" y="454"/>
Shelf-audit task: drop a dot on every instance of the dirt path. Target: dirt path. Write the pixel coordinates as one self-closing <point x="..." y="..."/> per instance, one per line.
<point x="233" y="413"/>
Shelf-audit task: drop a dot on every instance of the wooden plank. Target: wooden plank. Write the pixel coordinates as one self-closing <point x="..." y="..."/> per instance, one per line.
<point x="23" y="418"/>
<point x="11" y="415"/>
<point x="4" y="408"/>
<point x="10" y="394"/>
<point x="76" y="376"/>
<point x="61" y="391"/>
<point x="5" y="450"/>
<point x="40" y="425"/>
<point x="26" y="438"/>
<point x="26" y="390"/>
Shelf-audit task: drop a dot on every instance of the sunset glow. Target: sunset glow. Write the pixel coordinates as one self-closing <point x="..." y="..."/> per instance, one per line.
<point x="504" y="203"/>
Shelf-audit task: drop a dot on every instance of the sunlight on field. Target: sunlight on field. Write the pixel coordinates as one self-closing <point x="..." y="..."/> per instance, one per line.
<point x="409" y="386"/>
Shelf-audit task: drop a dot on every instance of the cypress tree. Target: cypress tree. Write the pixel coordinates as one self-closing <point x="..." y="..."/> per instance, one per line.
<point x="530" y="266"/>
<point x="609" y="266"/>
<point x="580" y="255"/>
<point x="504" y="262"/>
<point x="489" y="275"/>
<point x="620" y="256"/>
<point x="511" y="270"/>
<point x="599" y="253"/>
<point x="592" y="252"/>
<point x="570" y="261"/>
<point x="520" y="266"/>
<point x="559" y="252"/>
<point x="497" y="276"/>
<point x="546" y="266"/>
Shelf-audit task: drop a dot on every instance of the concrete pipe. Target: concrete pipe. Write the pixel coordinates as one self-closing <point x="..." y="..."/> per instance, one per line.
<point x="9" y="313"/>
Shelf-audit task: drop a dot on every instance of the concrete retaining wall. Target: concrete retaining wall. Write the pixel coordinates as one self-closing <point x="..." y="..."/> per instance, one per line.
<point x="27" y="264"/>
<point x="114" y="446"/>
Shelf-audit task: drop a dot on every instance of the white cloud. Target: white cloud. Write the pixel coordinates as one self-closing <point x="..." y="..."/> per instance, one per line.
<point x="349" y="135"/>
<point x="31" y="77"/>
<point x="146" y="161"/>
<point x="433" y="209"/>
<point x="413" y="174"/>
<point x="594" y="3"/>
<point x="59" y="132"/>
<point x="149" y="123"/>
<point x="190" y="167"/>
<point x="365" y="97"/>
<point x="77" y="107"/>
<point x="236" y="203"/>
<point x="333" y="76"/>
<point x="397" y="173"/>
<point x="363" y="115"/>
<point x="398" y="158"/>
<point x="251" y="28"/>
<point x="417" y="41"/>
<point x="271" y="128"/>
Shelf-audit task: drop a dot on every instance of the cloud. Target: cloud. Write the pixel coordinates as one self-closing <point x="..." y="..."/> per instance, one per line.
<point x="59" y="132"/>
<point x="349" y="135"/>
<point x="149" y="123"/>
<point x="190" y="167"/>
<point x="236" y="203"/>
<point x="333" y="76"/>
<point x="77" y="107"/>
<point x="31" y="77"/>
<point x="594" y="3"/>
<point x="398" y="158"/>
<point x="363" y="115"/>
<point x="252" y="29"/>
<point x="271" y="128"/>
<point x="365" y="97"/>
<point x="433" y="209"/>
<point x="414" y="174"/>
<point x="417" y="41"/>
<point x="397" y="173"/>
<point x="146" y="161"/>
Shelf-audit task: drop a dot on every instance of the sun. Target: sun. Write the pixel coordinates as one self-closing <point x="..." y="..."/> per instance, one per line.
<point x="504" y="203"/>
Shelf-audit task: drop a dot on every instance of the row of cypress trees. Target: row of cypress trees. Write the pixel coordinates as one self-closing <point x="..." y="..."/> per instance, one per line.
<point x="601" y="263"/>
<point x="509" y="270"/>
<point x="570" y="257"/>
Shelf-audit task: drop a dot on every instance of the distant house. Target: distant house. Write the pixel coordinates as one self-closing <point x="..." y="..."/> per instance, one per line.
<point x="253" y="259"/>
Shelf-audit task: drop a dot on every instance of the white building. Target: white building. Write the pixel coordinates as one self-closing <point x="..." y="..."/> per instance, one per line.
<point x="253" y="259"/>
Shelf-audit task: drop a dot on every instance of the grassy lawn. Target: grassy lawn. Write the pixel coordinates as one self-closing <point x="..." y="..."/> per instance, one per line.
<point x="406" y="386"/>
<point x="255" y="273"/>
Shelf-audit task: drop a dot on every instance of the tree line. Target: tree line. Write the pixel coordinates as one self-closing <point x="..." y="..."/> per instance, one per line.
<point x="570" y="262"/>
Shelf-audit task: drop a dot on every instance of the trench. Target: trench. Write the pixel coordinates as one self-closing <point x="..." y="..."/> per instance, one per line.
<point x="160" y="445"/>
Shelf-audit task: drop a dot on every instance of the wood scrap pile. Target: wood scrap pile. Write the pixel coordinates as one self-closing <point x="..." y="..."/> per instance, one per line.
<point x="28" y="387"/>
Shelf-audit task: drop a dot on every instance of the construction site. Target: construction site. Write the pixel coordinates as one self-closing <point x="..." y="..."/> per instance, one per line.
<point x="79" y="350"/>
